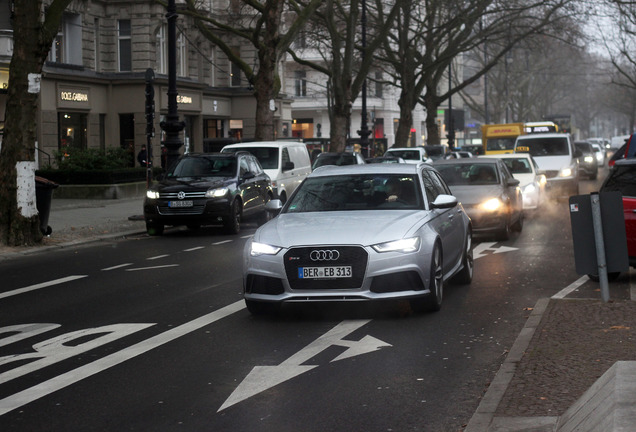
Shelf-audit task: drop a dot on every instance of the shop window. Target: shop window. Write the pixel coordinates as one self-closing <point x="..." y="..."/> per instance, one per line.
<point x="72" y="130"/>
<point x="125" y="45"/>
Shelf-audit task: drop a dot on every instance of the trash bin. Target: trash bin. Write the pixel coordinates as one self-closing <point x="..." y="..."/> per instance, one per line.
<point x="43" y="194"/>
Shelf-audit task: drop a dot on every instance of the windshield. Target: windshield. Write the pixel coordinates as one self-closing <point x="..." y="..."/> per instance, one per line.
<point x="203" y="167"/>
<point x="435" y="152"/>
<point x="518" y="165"/>
<point x="357" y="192"/>
<point x="554" y="146"/>
<point x="495" y="144"/>
<point x="267" y="156"/>
<point x="468" y="174"/>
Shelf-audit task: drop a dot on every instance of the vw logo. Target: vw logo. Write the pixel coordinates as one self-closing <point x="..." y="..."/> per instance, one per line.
<point x="181" y="195"/>
<point x="324" y="255"/>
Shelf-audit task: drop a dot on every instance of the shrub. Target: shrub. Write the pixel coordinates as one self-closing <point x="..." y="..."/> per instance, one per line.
<point x="75" y="159"/>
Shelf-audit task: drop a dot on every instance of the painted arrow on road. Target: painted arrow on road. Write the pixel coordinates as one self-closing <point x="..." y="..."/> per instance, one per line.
<point x="482" y="247"/>
<point x="262" y="378"/>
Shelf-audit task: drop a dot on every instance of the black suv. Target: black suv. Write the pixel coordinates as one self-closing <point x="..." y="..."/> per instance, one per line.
<point x="203" y="189"/>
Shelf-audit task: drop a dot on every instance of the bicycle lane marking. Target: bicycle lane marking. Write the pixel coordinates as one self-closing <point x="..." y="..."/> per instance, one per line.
<point x="71" y="377"/>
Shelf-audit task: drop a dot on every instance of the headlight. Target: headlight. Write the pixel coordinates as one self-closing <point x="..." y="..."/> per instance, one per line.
<point x="404" y="245"/>
<point x="216" y="193"/>
<point x="491" y="205"/>
<point x="263" y="249"/>
<point x="588" y="159"/>
<point x="152" y="194"/>
<point x="529" y="189"/>
<point x="565" y="172"/>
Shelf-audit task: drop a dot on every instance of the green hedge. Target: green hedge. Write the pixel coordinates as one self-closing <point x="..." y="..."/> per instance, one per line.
<point x="114" y="176"/>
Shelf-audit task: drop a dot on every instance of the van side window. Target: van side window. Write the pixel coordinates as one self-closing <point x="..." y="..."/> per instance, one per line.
<point x="284" y="158"/>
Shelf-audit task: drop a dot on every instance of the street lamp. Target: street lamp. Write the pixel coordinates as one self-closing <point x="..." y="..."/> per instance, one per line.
<point x="172" y="126"/>
<point x="364" y="131"/>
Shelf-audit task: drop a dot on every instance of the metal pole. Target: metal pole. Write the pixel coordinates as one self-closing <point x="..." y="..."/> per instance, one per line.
<point x="600" y="245"/>
<point x="172" y="126"/>
<point x="451" y="126"/>
<point x="364" y="131"/>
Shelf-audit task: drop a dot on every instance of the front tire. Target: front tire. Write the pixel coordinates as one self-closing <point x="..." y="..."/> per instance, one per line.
<point x="232" y="222"/>
<point x="433" y="301"/>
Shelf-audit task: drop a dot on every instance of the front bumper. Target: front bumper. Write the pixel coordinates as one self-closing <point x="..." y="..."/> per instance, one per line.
<point x="203" y="211"/>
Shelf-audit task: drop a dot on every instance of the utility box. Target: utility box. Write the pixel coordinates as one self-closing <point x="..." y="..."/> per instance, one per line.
<point x="614" y="237"/>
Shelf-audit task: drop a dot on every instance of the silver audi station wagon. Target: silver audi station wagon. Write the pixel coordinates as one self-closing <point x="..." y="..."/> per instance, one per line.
<point x="360" y="232"/>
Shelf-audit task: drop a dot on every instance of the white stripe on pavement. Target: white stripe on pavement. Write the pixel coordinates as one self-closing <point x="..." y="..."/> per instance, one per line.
<point x="41" y="285"/>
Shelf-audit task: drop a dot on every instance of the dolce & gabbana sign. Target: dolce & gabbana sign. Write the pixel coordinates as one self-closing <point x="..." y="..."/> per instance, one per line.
<point x="73" y="97"/>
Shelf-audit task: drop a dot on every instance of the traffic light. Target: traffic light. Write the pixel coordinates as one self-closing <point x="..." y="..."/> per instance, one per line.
<point x="150" y="103"/>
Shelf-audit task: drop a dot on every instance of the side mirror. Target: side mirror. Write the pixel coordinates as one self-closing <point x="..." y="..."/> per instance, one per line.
<point x="512" y="182"/>
<point x="274" y="206"/>
<point x="444" y="201"/>
<point x="248" y="175"/>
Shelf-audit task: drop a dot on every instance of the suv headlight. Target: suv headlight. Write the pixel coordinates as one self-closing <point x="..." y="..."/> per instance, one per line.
<point x="492" y="205"/>
<point x="257" y="249"/>
<point x="403" y="245"/>
<point x="152" y="194"/>
<point x="217" y="193"/>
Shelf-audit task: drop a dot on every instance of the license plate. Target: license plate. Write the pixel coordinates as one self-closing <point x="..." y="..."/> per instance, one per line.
<point x="325" y="272"/>
<point x="186" y="203"/>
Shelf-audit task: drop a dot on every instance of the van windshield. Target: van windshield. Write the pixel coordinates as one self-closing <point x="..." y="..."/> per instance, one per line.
<point x="554" y="146"/>
<point x="267" y="156"/>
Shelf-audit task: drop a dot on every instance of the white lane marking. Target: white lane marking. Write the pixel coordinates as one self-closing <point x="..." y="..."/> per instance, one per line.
<point x="222" y="242"/>
<point x="482" y="247"/>
<point x="262" y="378"/>
<point x="193" y="249"/>
<point x="568" y="289"/>
<point x="41" y="285"/>
<point x="156" y="257"/>
<point x="117" y="266"/>
<point x="59" y="382"/>
<point x="247" y="236"/>
<point x="152" y="267"/>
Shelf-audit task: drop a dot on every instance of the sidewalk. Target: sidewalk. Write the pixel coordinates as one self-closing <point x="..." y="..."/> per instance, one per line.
<point x="563" y="349"/>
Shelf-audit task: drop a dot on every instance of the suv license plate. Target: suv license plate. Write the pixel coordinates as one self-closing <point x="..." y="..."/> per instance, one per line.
<point x="187" y="203"/>
<point x="324" y="272"/>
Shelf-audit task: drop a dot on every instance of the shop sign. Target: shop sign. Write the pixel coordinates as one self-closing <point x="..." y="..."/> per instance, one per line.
<point x="236" y="124"/>
<point x="73" y="97"/>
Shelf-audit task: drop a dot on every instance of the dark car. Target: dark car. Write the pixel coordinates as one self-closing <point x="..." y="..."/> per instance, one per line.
<point x="489" y="193"/>
<point x="437" y="152"/>
<point x="588" y="164"/>
<point x="339" y="159"/>
<point x="208" y="188"/>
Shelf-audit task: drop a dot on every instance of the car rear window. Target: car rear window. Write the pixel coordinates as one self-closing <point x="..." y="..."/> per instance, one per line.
<point x="554" y="146"/>
<point x="267" y="156"/>
<point x="622" y="179"/>
<point x="468" y="174"/>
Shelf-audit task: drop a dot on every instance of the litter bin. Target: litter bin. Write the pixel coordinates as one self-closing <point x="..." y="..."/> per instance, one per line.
<point x="43" y="194"/>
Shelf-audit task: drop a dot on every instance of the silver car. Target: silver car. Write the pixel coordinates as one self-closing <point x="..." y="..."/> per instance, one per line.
<point x="361" y="232"/>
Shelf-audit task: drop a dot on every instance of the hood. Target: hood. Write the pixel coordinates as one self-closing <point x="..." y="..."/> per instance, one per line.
<point x="553" y="163"/>
<point x="471" y="195"/>
<point x="524" y="179"/>
<point x="191" y="184"/>
<point x="350" y="227"/>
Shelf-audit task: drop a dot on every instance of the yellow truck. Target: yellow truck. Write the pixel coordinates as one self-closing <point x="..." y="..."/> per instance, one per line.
<point x="500" y="138"/>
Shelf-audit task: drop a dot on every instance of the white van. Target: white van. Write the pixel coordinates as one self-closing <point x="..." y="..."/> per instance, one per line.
<point x="285" y="162"/>
<point x="557" y="159"/>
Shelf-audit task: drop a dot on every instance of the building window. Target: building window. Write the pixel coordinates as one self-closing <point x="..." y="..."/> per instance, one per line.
<point x="125" y="46"/>
<point x="72" y="131"/>
<point x="235" y="74"/>
<point x="300" y="83"/>
<point x="161" y="55"/>
<point x="67" y="45"/>
<point x="97" y="44"/>
<point x="182" y="55"/>
<point x="301" y="40"/>
<point x="161" y="60"/>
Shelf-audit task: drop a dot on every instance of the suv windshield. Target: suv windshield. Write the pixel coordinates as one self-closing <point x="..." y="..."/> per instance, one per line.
<point x="204" y="166"/>
<point x="267" y="156"/>
<point x="359" y="192"/>
<point x="554" y="146"/>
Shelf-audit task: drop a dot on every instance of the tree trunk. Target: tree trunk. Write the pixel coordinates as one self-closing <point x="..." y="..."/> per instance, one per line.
<point x="431" y="104"/>
<point x="406" y="103"/>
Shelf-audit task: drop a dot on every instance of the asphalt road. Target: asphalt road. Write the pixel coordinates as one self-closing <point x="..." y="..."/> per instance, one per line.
<point x="151" y="334"/>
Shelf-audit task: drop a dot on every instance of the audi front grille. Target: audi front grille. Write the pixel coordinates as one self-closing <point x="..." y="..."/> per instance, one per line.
<point x="326" y="256"/>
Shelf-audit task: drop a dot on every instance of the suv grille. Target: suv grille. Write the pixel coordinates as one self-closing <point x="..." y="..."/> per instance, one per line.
<point x="354" y="256"/>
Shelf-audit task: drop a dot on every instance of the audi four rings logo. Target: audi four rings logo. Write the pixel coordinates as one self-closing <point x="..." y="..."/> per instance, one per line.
<point x="324" y="255"/>
<point x="181" y="195"/>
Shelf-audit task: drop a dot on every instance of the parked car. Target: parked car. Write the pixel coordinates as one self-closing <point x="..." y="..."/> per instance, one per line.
<point x="208" y="188"/>
<point x="588" y="164"/>
<point x="525" y="169"/>
<point x="622" y="178"/>
<point x="285" y="162"/>
<point x="489" y="193"/>
<point x="320" y="246"/>
<point x="344" y="158"/>
<point x="409" y="154"/>
<point x="557" y="159"/>
<point x="458" y="154"/>
<point x="385" y="159"/>
<point x="599" y="152"/>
